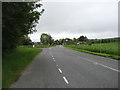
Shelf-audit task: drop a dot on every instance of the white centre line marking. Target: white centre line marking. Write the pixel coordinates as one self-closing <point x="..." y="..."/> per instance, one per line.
<point x="65" y="80"/>
<point x="60" y="70"/>
<point x="51" y="54"/>
<point x="53" y="58"/>
<point x="57" y="65"/>
<point x="95" y="63"/>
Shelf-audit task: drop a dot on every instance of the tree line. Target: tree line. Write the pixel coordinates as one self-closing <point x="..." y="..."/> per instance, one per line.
<point x="18" y="20"/>
<point x="46" y="39"/>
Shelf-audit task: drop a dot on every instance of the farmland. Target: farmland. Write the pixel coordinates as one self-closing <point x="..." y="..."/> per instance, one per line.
<point x="103" y="49"/>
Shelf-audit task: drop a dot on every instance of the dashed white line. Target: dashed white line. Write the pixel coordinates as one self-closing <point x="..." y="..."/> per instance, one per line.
<point x="51" y="54"/>
<point x="60" y="70"/>
<point x="57" y="65"/>
<point x="65" y="80"/>
<point x="95" y="63"/>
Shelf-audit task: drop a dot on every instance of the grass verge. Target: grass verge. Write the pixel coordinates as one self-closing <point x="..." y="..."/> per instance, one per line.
<point x="44" y="46"/>
<point x="15" y="62"/>
<point x="95" y="53"/>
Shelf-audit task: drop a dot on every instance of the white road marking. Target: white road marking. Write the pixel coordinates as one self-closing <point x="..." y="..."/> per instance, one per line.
<point x="51" y="54"/>
<point x="60" y="70"/>
<point x="57" y="65"/>
<point x="100" y="64"/>
<point x="109" y="67"/>
<point x="95" y="63"/>
<point x="54" y="60"/>
<point x="65" y="80"/>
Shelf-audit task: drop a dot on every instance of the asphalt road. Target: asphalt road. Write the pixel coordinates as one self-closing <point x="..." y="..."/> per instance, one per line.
<point x="59" y="67"/>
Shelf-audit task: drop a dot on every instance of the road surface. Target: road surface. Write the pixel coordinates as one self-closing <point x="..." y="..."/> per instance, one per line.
<point x="59" y="67"/>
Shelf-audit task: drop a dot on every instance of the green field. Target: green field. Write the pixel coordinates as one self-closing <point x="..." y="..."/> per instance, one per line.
<point x="103" y="49"/>
<point x="15" y="62"/>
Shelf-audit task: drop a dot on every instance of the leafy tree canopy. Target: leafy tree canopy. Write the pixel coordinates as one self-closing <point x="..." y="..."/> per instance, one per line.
<point x="46" y="39"/>
<point x="18" y="19"/>
<point x="82" y="38"/>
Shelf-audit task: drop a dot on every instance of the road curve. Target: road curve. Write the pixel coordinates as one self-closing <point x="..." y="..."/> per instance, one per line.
<point x="59" y="67"/>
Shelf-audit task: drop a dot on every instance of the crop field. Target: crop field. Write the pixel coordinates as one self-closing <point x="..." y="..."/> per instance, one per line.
<point x="106" y="48"/>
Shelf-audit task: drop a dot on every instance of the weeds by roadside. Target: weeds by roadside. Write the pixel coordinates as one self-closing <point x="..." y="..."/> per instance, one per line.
<point x="14" y="62"/>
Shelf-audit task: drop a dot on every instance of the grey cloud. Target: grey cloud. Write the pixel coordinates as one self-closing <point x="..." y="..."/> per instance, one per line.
<point x="79" y="18"/>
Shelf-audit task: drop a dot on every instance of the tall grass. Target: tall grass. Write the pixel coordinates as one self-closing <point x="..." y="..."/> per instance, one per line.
<point x="106" y="48"/>
<point x="13" y="63"/>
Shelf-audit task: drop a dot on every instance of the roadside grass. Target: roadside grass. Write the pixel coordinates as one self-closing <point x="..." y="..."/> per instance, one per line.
<point x="15" y="62"/>
<point x="104" y="49"/>
<point x="38" y="46"/>
<point x="44" y="46"/>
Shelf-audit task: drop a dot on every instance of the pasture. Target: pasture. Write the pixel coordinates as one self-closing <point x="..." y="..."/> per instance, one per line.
<point x="104" y="49"/>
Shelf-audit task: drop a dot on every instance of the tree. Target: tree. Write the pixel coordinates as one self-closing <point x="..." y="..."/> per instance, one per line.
<point x="74" y="41"/>
<point x="18" y="19"/>
<point x="68" y="40"/>
<point x="46" y="39"/>
<point x="82" y="38"/>
<point x="25" y="40"/>
<point x="56" y="42"/>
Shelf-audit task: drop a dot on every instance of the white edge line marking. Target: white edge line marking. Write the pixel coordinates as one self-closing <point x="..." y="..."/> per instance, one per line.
<point x="65" y="80"/>
<point x="109" y="67"/>
<point x="95" y="63"/>
<point x="60" y="70"/>
<point x="101" y="64"/>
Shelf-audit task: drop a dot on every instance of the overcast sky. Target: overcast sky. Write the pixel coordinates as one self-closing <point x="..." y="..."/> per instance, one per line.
<point x="73" y="18"/>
